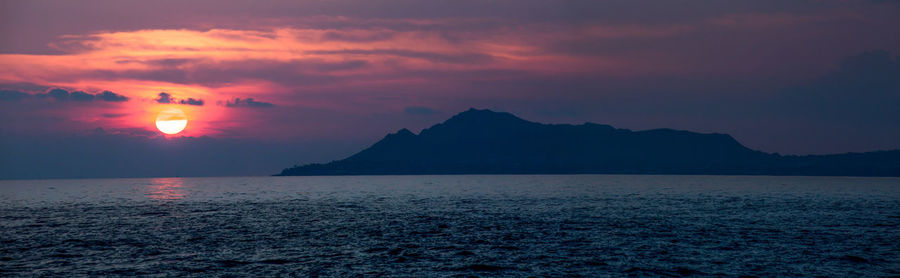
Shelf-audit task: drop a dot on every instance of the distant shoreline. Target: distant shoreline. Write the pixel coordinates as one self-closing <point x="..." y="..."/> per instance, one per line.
<point x="487" y="142"/>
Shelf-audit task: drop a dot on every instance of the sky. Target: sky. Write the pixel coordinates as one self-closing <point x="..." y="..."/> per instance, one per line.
<point x="266" y="85"/>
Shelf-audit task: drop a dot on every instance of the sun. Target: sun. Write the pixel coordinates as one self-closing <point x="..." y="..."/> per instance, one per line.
<point x="171" y="121"/>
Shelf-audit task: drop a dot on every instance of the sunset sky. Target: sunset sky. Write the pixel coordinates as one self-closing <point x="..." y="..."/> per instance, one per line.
<point x="312" y="81"/>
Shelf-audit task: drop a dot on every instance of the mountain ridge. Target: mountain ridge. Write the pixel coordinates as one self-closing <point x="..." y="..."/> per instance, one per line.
<point x="487" y="142"/>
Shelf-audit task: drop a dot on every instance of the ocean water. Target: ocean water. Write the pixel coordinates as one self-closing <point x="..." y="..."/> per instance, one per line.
<point x="579" y="225"/>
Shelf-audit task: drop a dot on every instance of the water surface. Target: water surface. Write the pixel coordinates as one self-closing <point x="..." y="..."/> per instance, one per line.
<point x="588" y="225"/>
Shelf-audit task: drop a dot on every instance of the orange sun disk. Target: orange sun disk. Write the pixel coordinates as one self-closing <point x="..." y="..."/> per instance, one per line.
<point x="171" y="121"/>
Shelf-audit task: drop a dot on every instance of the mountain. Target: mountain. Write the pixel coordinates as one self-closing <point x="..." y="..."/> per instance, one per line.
<point x="488" y="142"/>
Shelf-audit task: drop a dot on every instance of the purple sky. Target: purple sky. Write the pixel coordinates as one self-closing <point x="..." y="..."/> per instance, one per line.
<point x="331" y="77"/>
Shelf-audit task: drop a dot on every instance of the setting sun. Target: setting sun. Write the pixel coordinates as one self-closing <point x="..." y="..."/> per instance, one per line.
<point x="171" y="121"/>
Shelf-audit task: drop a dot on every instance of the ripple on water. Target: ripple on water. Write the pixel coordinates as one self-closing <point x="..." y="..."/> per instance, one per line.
<point x="593" y="233"/>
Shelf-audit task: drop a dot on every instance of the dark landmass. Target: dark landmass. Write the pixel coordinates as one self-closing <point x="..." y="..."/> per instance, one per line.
<point x="487" y="142"/>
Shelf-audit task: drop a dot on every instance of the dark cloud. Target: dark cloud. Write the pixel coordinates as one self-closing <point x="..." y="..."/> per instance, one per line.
<point x="111" y="97"/>
<point x="419" y="110"/>
<point x="458" y="58"/>
<point x="113" y="115"/>
<point x="63" y="95"/>
<point x="169" y="62"/>
<point x="192" y="101"/>
<point x="12" y="95"/>
<point x="81" y="96"/>
<point x="164" y="98"/>
<point x="247" y="102"/>
<point x="58" y="94"/>
<point x="133" y="132"/>
<point x="168" y="98"/>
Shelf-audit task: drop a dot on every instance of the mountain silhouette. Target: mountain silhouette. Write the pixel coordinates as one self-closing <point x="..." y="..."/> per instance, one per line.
<point x="488" y="142"/>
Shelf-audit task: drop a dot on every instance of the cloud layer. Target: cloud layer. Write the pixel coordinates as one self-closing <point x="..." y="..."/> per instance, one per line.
<point x="166" y="98"/>
<point x="342" y="69"/>
<point x="62" y="95"/>
<point x="247" y="102"/>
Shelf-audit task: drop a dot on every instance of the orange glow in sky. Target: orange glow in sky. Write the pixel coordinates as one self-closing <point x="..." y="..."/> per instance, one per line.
<point x="333" y="69"/>
<point x="219" y="65"/>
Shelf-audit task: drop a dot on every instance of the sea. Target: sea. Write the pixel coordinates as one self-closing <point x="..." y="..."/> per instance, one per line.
<point x="452" y="225"/>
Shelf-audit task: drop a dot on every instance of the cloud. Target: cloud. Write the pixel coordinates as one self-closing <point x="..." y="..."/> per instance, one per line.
<point x="436" y="57"/>
<point x="111" y="97"/>
<point x="192" y="101"/>
<point x="58" y="94"/>
<point x="169" y="62"/>
<point x="12" y="95"/>
<point x="164" y="98"/>
<point x="380" y="57"/>
<point x="81" y="96"/>
<point x="348" y="65"/>
<point x="340" y="50"/>
<point x="247" y="102"/>
<point x="130" y="132"/>
<point x="419" y="110"/>
<point x="113" y="115"/>
<point x="356" y="36"/>
<point x="229" y="72"/>
<point x="62" y="95"/>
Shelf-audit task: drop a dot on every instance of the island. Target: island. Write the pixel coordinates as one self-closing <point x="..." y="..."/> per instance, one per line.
<point x="487" y="142"/>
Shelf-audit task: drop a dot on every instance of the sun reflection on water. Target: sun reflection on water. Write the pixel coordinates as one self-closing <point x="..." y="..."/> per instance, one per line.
<point x="166" y="189"/>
